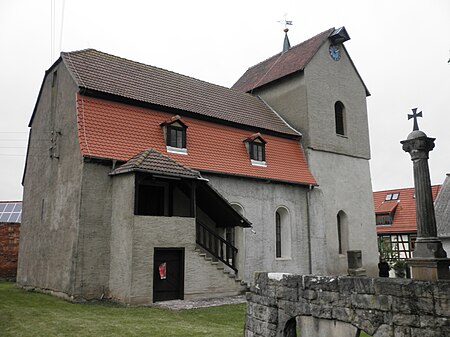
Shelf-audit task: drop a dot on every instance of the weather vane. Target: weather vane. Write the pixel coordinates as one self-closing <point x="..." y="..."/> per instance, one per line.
<point x="415" y="115"/>
<point x="285" y="22"/>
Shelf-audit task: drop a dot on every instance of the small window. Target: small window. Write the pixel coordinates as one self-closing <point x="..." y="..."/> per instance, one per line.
<point x="342" y="232"/>
<point x="257" y="151"/>
<point x="395" y="196"/>
<point x="388" y="197"/>
<point x="282" y="234"/>
<point x="384" y="219"/>
<point x="339" y="114"/>
<point x="256" y="148"/>
<point x="277" y="235"/>
<point x="175" y="135"/>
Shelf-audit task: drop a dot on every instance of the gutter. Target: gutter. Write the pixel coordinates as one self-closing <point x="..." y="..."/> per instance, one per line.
<point x="308" y="226"/>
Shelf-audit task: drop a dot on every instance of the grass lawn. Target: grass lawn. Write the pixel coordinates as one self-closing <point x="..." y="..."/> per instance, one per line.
<point x="31" y="314"/>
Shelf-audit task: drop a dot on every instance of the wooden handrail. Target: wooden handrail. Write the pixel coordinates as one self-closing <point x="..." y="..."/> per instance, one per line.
<point x="216" y="246"/>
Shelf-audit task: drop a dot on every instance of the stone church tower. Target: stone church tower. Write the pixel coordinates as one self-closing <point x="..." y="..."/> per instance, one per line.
<point x="316" y="88"/>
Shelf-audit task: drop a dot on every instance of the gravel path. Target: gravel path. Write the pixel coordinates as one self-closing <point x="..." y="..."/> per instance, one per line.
<point x="204" y="303"/>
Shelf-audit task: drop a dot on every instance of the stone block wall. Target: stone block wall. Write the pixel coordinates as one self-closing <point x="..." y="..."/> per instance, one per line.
<point x="9" y="250"/>
<point x="382" y="307"/>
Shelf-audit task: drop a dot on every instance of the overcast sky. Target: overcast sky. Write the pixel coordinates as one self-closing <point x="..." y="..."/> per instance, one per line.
<point x="401" y="49"/>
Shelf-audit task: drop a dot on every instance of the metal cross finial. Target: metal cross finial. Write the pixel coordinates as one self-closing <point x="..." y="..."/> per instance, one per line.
<point x="285" y="22"/>
<point x="414" y="115"/>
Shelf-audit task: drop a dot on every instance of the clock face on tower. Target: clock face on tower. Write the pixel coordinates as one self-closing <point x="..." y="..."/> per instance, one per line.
<point x="335" y="52"/>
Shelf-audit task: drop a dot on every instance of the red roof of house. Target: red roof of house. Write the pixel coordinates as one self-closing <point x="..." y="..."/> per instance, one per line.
<point x="119" y="131"/>
<point x="282" y="64"/>
<point x="404" y="209"/>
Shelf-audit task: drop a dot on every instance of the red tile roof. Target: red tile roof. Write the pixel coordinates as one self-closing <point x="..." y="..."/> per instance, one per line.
<point x="405" y="209"/>
<point x="152" y="161"/>
<point x="387" y="207"/>
<point x="282" y="64"/>
<point x="113" y="130"/>
<point x="117" y="76"/>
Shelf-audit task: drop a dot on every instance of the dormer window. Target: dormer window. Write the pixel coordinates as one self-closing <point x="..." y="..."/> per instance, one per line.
<point x="175" y="135"/>
<point x="256" y="148"/>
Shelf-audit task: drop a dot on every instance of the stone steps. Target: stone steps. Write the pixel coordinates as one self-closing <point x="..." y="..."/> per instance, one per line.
<point x="221" y="267"/>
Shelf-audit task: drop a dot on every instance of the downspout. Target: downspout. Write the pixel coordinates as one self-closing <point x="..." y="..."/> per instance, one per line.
<point x="308" y="226"/>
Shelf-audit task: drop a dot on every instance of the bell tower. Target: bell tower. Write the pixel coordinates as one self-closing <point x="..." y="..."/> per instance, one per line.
<point x="317" y="89"/>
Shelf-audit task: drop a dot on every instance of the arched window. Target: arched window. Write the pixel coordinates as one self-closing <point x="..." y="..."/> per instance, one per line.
<point x="339" y="115"/>
<point x="230" y="232"/>
<point x="277" y="234"/>
<point x="342" y="232"/>
<point x="282" y="233"/>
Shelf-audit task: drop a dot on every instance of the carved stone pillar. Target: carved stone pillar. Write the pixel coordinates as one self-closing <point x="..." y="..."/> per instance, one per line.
<point x="429" y="260"/>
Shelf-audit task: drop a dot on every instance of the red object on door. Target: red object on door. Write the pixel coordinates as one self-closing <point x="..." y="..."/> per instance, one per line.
<point x="162" y="271"/>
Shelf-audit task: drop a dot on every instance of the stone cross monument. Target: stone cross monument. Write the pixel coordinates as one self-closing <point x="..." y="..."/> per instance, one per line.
<point x="429" y="260"/>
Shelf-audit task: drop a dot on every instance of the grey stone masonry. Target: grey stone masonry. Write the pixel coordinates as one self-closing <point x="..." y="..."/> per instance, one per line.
<point x="429" y="260"/>
<point x="382" y="307"/>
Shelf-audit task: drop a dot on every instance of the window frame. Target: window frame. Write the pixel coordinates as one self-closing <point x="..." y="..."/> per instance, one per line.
<point x="257" y="151"/>
<point x="278" y="241"/>
<point x="176" y="143"/>
<point x="179" y="143"/>
<point x="339" y="118"/>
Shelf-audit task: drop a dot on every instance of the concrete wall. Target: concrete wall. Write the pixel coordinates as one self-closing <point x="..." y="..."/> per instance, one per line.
<point x="260" y="201"/>
<point x="339" y="163"/>
<point x="133" y="241"/>
<point x="52" y="190"/>
<point x="121" y="242"/>
<point x="382" y="307"/>
<point x="92" y="274"/>
<point x="344" y="185"/>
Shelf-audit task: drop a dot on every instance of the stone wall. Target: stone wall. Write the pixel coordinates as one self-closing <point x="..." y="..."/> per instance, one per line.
<point x="382" y="307"/>
<point x="9" y="250"/>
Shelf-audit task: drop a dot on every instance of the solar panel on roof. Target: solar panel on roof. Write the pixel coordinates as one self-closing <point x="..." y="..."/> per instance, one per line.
<point x="11" y="212"/>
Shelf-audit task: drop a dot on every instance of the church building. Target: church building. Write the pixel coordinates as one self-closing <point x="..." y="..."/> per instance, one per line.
<point x="144" y="185"/>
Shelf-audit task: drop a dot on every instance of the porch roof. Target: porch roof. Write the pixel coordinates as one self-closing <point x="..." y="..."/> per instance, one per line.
<point x="151" y="161"/>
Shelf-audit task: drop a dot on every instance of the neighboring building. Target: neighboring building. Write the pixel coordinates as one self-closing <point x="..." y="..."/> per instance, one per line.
<point x="10" y="217"/>
<point x="150" y="180"/>
<point x="396" y="220"/>
<point x="442" y="209"/>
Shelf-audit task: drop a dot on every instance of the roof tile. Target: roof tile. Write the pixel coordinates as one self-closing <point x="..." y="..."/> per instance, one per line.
<point x="114" y="130"/>
<point x="281" y="64"/>
<point x="113" y="75"/>
<point x="405" y="213"/>
<point x="152" y="161"/>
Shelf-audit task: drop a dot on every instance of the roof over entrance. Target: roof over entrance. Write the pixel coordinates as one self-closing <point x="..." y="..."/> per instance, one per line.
<point x="209" y="199"/>
<point x="151" y="161"/>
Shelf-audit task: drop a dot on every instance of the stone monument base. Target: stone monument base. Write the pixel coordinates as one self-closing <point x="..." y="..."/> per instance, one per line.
<point x="430" y="269"/>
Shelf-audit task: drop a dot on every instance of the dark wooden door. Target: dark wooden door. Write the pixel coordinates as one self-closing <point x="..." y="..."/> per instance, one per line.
<point x="168" y="274"/>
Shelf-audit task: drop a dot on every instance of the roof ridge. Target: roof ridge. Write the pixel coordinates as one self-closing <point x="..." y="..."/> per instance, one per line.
<point x="293" y="47"/>
<point x="148" y="65"/>
<point x="404" y="188"/>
